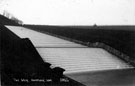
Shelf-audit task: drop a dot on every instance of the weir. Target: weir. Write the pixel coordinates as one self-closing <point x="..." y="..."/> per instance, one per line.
<point x="89" y="66"/>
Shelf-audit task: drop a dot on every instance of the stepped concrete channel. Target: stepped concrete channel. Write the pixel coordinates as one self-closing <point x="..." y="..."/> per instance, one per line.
<point x="74" y="58"/>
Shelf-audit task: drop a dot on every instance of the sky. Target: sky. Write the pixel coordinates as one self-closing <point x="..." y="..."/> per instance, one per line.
<point x="72" y="12"/>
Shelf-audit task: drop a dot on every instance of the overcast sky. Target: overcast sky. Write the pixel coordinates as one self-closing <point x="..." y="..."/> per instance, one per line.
<point x="72" y="12"/>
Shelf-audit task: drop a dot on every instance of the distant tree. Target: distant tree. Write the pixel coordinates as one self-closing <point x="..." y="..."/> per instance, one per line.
<point x="94" y="25"/>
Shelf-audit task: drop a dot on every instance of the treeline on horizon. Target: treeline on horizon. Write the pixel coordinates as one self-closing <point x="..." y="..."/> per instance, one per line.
<point x="6" y="21"/>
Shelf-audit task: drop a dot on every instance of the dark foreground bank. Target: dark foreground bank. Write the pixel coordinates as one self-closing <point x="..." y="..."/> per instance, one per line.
<point x="21" y="64"/>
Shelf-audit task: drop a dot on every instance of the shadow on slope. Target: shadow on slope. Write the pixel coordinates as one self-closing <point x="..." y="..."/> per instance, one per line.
<point x="22" y="65"/>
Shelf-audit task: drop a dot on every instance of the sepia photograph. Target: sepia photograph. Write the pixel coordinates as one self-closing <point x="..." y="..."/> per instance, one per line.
<point x="67" y="42"/>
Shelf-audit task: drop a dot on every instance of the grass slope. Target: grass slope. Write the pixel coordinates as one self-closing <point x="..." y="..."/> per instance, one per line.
<point x="6" y="21"/>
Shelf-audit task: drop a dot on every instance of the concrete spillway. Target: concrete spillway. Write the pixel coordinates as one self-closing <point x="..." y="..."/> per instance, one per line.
<point x="40" y="39"/>
<point x="74" y="58"/>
